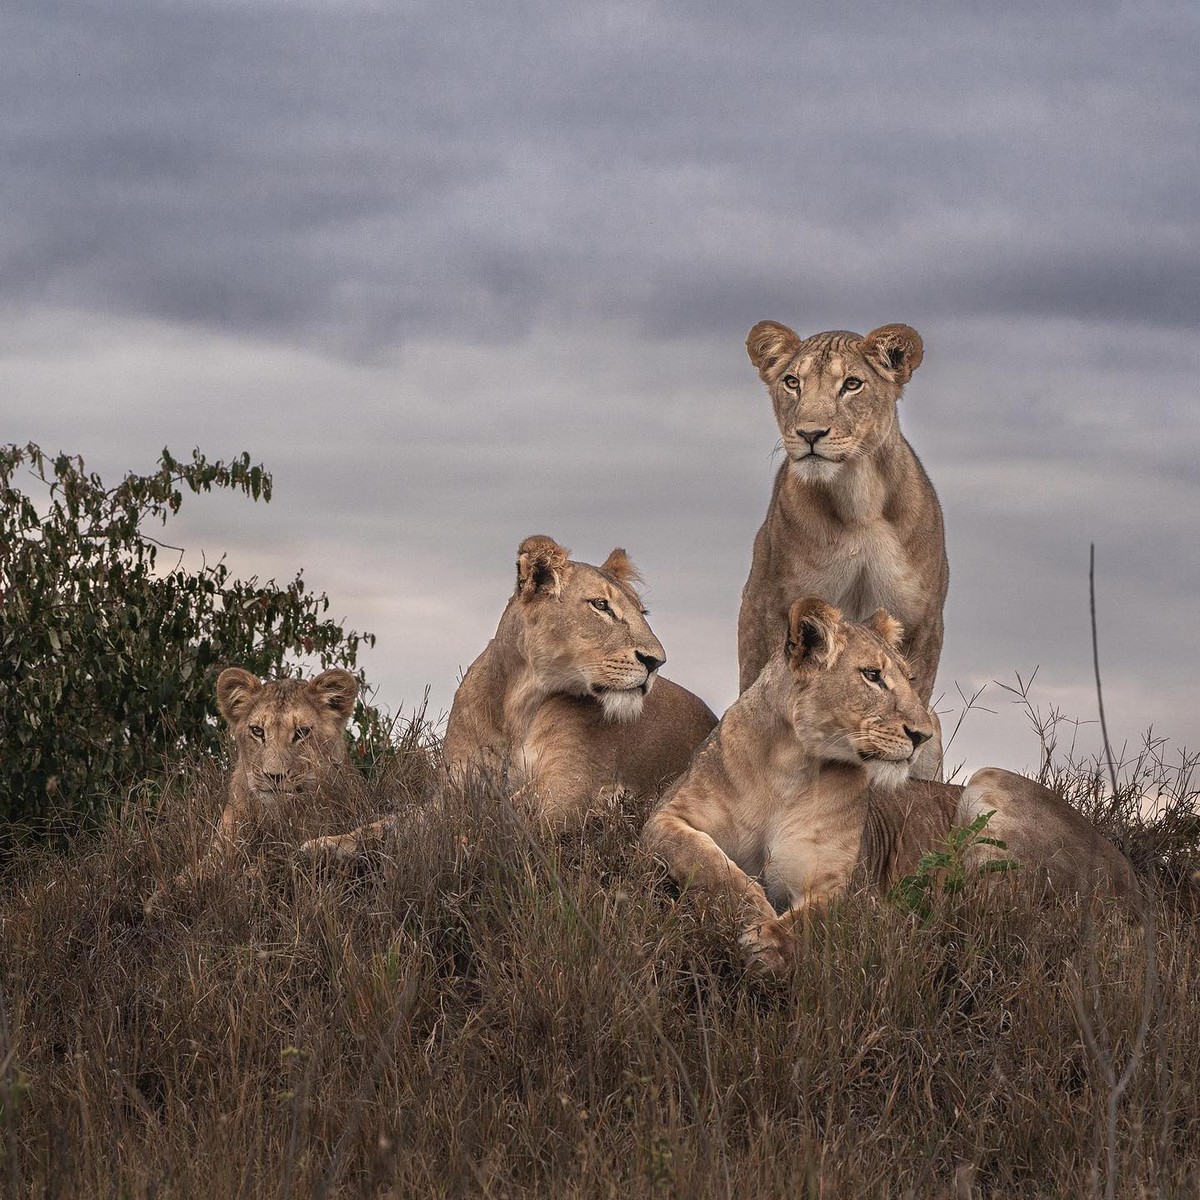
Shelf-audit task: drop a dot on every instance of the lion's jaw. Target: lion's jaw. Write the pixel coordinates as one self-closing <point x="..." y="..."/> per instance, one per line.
<point x="264" y="788"/>
<point x="889" y="776"/>
<point x="623" y="705"/>
<point x="811" y="467"/>
<point x="840" y="739"/>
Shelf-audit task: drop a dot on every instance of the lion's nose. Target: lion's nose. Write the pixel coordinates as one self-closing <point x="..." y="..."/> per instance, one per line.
<point x="811" y="436"/>
<point x="649" y="661"/>
<point x="274" y="780"/>
<point x="917" y="736"/>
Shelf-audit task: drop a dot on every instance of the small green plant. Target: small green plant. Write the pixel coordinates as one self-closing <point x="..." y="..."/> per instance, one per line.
<point x="108" y="656"/>
<point x="944" y="869"/>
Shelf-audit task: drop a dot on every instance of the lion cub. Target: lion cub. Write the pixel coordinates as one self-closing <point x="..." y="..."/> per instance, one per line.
<point x="565" y="703"/>
<point x="806" y="780"/>
<point x="288" y="736"/>
<point x="853" y="517"/>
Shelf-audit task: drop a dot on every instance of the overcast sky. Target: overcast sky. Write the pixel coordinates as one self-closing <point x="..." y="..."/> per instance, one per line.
<point x="458" y="274"/>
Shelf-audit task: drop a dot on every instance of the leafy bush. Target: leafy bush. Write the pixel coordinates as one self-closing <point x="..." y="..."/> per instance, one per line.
<point x="107" y="659"/>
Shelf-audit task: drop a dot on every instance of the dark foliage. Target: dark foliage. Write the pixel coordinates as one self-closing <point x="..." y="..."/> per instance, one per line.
<point x="107" y="657"/>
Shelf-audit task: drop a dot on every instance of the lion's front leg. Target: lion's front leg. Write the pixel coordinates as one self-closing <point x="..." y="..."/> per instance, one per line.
<point x="222" y="852"/>
<point x="217" y="860"/>
<point x="767" y="946"/>
<point x="928" y="762"/>
<point x="341" y="847"/>
<point x="696" y="862"/>
<point x="563" y="791"/>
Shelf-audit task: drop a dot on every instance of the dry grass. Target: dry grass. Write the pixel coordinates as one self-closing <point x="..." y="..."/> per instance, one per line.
<point x="485" y="1013"/>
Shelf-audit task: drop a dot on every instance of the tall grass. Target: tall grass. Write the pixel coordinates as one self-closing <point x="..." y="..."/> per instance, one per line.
<point x="481" y="1011"/>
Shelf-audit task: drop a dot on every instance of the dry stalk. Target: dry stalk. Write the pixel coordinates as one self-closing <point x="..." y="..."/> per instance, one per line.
<point x="1091" y="1026"/>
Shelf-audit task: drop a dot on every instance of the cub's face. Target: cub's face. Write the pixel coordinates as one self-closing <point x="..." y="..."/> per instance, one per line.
<point x="835" y="393"/>
<point x="852" y="699"/>
<point x="288" y="731"/>
<point x="585" y="628"/>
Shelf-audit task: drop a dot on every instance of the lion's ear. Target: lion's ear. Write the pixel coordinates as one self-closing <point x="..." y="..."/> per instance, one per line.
<point x="815" y="637"/>
<point x="771" y="346"/>
<point x="335" y="690"/>
<point x="236" y="689"/>
<point x="889" y="630"/>
<point x="896" y="350"/>
<point x="620" y="566"/>
<point x="541" y="566"/>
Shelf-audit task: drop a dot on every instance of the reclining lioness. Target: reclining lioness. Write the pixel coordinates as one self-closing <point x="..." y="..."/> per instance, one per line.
<point x="807" y="778"/>
<point x="288" y="737"/>
<point x="565" y="703"/>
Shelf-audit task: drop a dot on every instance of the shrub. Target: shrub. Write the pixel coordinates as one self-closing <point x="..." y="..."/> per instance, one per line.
<point x="106" y="658"/>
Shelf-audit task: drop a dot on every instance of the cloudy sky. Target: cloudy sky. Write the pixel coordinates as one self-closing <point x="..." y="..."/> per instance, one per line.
<point x="458" y="274"/>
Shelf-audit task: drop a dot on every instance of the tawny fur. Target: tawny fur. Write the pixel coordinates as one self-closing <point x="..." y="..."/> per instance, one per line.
<point x="853" y="517"/>
<point x="805" y="781"/>
<point x="288" y="735"/>
<point x="565" y="703"/>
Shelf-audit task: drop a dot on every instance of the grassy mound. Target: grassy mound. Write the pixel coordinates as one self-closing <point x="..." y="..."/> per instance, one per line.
<point x="479" y="1011"/>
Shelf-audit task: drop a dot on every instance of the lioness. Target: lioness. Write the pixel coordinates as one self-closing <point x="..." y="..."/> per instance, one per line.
<point x="565" y="702"/>
<point x="288" y="737"/>
<point x="807" y="779"/>
<point x="853" y="517"/>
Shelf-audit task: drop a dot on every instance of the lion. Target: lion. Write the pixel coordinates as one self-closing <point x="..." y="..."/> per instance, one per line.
<point x="566" y="704"/>
<point x="288" y="738"/>
<point x="805" y="785"/>
<point x="853" y="517"/>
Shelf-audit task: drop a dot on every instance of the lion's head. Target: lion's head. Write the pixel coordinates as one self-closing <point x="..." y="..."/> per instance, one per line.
<point x="289" y="731"/>
<point x="584" y="627"/>
<point x="851" y="698"/>
<point x="834" y="393"/>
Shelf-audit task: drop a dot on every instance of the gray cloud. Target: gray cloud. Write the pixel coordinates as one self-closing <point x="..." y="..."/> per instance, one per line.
<point x="460" y="274"/>
<point x="365" y="176"/>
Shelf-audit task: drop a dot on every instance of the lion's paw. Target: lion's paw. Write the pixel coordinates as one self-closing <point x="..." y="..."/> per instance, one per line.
<point x="766" y="946"/>
<point x="613" y="797"/>
<point x="339" y="847"/>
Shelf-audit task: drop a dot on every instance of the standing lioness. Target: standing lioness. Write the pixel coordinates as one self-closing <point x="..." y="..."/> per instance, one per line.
<point x="806" y="779"/>
<point x="853" y="517"/>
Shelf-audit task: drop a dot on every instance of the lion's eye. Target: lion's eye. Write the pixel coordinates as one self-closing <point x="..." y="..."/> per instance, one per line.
<point x="852" y="383"/>
<point x="301" y="733"/>
<point x="256" y="731"/>
<point x="790" y="381"/>
<point x="603" y="606"/>
<point x="872" y="674"/>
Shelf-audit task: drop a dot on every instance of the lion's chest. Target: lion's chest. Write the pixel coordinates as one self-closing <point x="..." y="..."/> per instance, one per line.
<point x="865" y="567"/>
<point x="809" y="856"/>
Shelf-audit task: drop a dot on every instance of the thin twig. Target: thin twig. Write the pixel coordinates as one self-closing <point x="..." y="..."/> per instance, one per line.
<point x="1112" y="770"/>
<point x="1098" y="1045"/>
